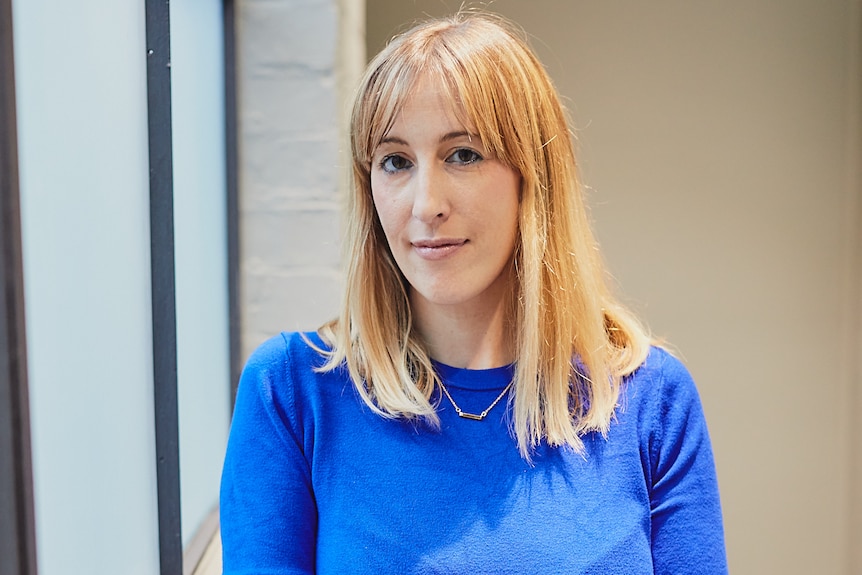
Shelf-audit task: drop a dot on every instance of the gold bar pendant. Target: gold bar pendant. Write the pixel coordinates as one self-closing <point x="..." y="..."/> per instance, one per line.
<point x="472" y="416"/>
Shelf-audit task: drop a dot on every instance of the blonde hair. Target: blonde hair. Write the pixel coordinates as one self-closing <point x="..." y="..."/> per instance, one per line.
<point x="575" y="342"/>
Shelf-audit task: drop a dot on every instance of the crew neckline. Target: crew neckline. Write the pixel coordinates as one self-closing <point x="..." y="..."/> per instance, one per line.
<point x="475" y="379"/>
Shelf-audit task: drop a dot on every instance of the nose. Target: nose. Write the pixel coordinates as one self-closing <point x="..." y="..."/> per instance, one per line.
<point x="430" y="195"/>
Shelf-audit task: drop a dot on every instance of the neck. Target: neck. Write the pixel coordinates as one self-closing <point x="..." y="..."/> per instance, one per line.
<point x="472" y="336"/>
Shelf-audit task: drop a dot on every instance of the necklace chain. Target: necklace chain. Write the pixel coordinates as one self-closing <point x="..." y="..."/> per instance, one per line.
<point x="475" y="416"/>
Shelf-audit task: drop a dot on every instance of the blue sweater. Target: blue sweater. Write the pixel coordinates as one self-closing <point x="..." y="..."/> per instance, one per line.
<point x="315" y="482"/>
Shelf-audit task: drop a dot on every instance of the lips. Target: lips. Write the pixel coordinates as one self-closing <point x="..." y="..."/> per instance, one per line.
<point x="439" y="248"/>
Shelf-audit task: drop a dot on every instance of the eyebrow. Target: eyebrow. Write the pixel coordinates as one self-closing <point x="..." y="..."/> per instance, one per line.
<point x="444" y="138"/>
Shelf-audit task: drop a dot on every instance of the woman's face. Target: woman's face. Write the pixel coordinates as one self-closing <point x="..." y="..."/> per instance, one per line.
<point x="448" y="207"/>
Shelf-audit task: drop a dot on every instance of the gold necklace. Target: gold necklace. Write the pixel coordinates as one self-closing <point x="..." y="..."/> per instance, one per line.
<point x="475" y="416"/>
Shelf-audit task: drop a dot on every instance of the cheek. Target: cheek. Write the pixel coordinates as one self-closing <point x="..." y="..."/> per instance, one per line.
<point x="386" y="210"/>
<point x="377" y="200"/>
<point x="375" y="186"/>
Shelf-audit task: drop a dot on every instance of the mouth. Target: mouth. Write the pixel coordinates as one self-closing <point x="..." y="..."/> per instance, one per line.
<point x="437" y="249"/>
<point x="438" y="243"/>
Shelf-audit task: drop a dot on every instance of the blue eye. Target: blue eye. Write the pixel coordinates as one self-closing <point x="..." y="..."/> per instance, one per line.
<point x="394" y="163"/>
<point x="464" y="156"/>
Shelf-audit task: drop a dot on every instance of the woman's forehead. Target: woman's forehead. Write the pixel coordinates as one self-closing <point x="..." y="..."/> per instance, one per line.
<point x="429" y="96"/>
<point x="428" y="92"/>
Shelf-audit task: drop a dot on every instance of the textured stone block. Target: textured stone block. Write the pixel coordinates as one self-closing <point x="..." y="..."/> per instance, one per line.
<point x="288" y="239"/>
<point x="290" y="166"/>
<point x="280" y="171"/>
<point x="289" y="34"/>
<point x="281" y="103"/>
<point x="291" y="302"/>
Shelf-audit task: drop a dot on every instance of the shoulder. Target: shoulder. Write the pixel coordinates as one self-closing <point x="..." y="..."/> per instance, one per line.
<point x="659" y="363"/>
<point x="280" y="350"/>
<point x="292" y="356"/>
<point x="679" y="468"/>
<point x="280" y="365"/>
<point x="660" y="379"/>
<point x="284" y="357"/>
<point x="662" y="396"/>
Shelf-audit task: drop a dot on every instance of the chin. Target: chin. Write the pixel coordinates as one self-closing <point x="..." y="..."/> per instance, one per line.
<point x="439" y="295"/>
<point x="440" y="298"/>
<point x="456" y="297"/>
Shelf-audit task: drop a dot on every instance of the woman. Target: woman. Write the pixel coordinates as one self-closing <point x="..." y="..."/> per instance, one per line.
<point x="482" y="404"/>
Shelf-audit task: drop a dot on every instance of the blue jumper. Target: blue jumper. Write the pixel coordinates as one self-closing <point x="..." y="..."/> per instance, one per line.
<point x="315" y="482"/>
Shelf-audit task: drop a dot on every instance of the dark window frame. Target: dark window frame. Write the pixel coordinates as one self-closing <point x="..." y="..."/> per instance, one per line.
<point x="162" y="254"/>
<point x="163" y="284"/>
<point x="17" y="513"/>
<point x="232" y="183"/>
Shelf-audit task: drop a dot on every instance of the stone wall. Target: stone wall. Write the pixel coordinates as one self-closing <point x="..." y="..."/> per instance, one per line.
<point x="297" y="63"/>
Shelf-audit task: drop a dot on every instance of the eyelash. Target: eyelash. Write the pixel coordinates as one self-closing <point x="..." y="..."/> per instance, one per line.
<point x="475" y="156"/>
<point x="385" y="163"/>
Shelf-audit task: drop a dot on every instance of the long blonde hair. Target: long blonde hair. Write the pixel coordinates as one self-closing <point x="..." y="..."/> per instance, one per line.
<point x="575" y="342"/>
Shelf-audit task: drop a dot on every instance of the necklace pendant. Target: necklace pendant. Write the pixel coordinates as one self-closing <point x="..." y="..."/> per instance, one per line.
<point x="475" y="416"/>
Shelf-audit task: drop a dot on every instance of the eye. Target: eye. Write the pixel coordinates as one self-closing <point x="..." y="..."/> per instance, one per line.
<point x="464" y="156"/>
<point x="394" y="163"/>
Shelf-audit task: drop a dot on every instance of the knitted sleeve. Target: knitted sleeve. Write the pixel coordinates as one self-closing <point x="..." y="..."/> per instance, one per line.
<point x="267" y="510"/>
<point x="687" y="532"/>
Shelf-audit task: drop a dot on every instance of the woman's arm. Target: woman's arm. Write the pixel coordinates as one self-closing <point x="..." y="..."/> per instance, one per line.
<point x="687" y="531"/>
<point x="268" y="515"/>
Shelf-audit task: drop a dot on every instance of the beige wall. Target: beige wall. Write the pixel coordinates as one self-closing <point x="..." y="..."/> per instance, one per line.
<point x="722" y="143"/>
